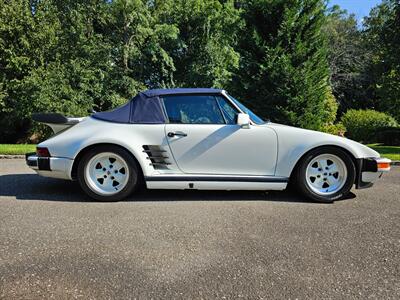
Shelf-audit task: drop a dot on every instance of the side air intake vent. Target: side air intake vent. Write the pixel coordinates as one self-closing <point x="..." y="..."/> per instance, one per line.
<point x="157" y="155"/>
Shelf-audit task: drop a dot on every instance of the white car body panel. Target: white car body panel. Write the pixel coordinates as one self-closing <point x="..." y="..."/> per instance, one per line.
<point x="294" y="142"/>
<point x="270" y="149"/>
<point x="214" y="185"/>
<point x="371" y="176"/>
<point x="60" y="168"/>
<point x="224" y="149"/>
<point x="254" y="157"/>
<point x="130" y="136"/>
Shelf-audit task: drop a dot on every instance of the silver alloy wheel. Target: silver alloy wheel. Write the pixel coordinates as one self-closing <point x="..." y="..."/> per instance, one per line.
<point x="326" y="174"/>
<point x="106" y="173"/>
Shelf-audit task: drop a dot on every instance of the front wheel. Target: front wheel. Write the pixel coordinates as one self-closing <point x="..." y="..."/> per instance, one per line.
<point x="325" y="174"/>
<point x="108" y="173"/>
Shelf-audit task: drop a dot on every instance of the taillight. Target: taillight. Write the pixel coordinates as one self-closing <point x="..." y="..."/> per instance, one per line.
<point x="42" y="152"/>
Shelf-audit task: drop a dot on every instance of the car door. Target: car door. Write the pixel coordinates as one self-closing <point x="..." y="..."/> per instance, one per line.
<point x="204" y="138"/>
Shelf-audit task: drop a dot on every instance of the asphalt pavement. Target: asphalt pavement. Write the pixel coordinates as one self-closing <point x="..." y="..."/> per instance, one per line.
<point x="57" y="243"/>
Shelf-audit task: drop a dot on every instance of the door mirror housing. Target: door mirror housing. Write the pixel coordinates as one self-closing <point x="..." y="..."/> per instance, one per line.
<point x="243" y="120"/>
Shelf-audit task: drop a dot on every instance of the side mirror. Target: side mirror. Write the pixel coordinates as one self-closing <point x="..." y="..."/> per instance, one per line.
<point x="243" y="120"/>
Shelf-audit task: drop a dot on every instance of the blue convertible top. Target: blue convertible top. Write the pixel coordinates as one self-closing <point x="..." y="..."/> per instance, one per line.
<point x="181" y="91"/>
<point x="146" y="107"/>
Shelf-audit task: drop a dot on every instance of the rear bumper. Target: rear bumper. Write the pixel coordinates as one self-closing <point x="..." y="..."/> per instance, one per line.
<point x="55" y="167"/>
<point x="369" y="170"/>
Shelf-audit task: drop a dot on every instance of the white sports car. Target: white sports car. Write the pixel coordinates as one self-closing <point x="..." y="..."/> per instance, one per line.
<point x="198" y="139"/>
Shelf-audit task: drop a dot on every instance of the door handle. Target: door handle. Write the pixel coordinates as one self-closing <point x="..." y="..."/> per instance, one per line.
<point x="177" y="133"/>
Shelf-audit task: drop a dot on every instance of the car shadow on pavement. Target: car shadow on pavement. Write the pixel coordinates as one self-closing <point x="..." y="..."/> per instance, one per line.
<point x="34" y="187"/>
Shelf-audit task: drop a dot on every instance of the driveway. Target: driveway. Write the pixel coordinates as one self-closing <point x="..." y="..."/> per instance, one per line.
<point x="56" y="243"/>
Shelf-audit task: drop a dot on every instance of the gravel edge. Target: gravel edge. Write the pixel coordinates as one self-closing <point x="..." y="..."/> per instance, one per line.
<point x="4" y="156"/>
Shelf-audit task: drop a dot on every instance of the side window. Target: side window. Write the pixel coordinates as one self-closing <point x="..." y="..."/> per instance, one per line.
<point x="229" y="111"/>
<point x="193" y="110"/>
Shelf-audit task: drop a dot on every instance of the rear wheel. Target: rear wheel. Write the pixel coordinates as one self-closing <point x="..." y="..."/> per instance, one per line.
<point x="325" y="174"/>
<point x="108" y="173"/>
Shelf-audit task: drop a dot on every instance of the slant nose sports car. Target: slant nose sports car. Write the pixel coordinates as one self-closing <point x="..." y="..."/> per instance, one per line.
<point x="198" y="139"/>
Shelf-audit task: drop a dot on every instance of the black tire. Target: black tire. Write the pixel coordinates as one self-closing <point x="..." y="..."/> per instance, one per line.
<point x="300" y="180"/>
<point x="134" y="178"/>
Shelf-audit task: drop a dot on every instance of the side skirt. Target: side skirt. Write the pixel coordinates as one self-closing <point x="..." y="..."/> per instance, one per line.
<point x="262" y="183"/>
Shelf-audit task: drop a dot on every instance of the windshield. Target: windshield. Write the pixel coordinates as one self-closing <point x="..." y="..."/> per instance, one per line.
<point x="256" y="119"/>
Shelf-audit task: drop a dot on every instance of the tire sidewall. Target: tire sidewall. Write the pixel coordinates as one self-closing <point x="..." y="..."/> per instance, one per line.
<point x="302" y="168"/>
<point x="133" y="180"/>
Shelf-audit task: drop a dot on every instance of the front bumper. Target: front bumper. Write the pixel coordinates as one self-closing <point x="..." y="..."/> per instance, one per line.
<point x="55" y="167"/>
<point x="369" y="170"/>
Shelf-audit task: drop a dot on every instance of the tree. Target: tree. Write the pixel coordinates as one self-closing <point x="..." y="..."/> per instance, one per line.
<point x="69" y="56"/>
<point x="284" y="71"/>
<point x="348" y="59"/>
<point x="22" y="49"/>
<point x="204" y="54"/>
<point x="138" y="52"/>
<point x="382" y="35"/>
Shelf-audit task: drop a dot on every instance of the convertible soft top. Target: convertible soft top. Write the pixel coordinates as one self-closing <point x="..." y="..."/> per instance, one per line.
<point x="146" y="107"/>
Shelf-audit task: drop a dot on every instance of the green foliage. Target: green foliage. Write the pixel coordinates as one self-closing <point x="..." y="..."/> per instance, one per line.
<point x="291" y="61"/>
<point x="335" y="129"/>
<point x="362" y="125"/>
<point x="70" y="56"/>
<point x="330" y="108"/>
<point x="382" y="37"/>
<point x="53" y="61"/>
<point x="18" y="149"/>
<point x="364" y="61"/>
<point x="391" y="152"/>
<point x="284" y="71"/>
<point x="204" y="53"/>
<point x="349" y="60"/>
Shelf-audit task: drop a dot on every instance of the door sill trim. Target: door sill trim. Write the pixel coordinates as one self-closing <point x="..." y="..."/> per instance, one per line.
<point x="219" y="178"/>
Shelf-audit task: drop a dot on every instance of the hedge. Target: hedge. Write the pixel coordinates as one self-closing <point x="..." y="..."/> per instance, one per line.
<point x="363" y="125"/>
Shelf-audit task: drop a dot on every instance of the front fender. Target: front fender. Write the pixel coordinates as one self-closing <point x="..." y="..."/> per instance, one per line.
<point x="294" y="142"/>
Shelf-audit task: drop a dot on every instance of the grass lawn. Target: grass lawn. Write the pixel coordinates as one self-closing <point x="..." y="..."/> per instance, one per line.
<point x="16" y="149"/>
<point x="391" y="152"/>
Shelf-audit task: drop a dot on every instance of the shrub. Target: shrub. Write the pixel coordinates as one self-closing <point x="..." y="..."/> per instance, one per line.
<point x="362" y="125"/>
<point x="335" y="129"/>
<point x="330" y="108"/>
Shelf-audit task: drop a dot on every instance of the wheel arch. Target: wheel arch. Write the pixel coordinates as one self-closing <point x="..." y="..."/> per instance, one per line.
<point x="296" y="165"/>
<point x="83" y="151"/>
